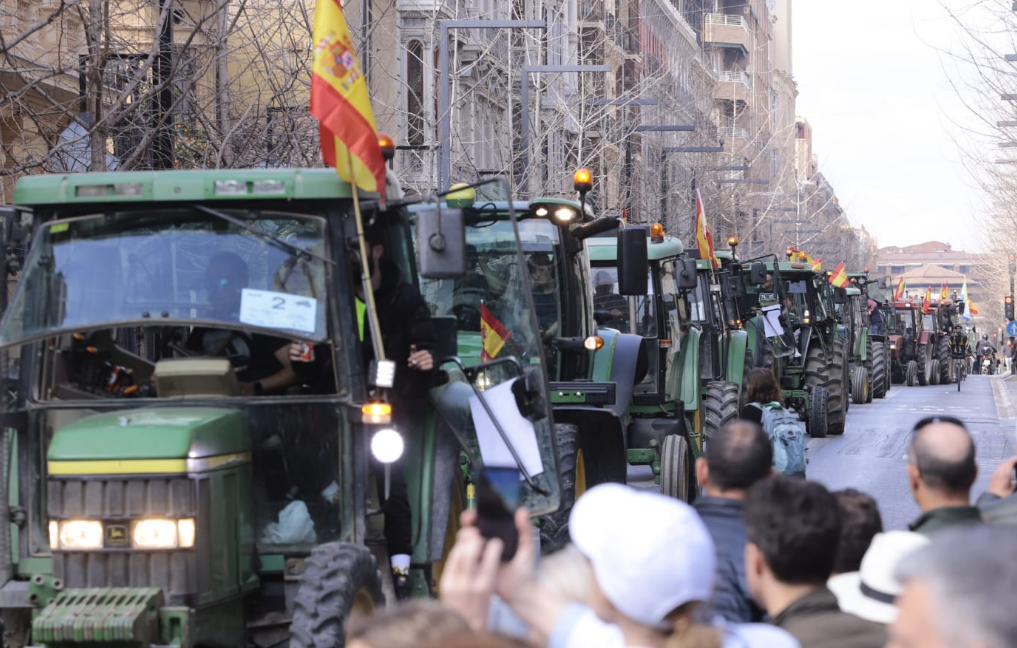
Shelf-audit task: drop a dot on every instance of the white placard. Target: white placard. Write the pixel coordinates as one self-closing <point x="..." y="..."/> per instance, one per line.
<point x="278" y="310"/>
<point x="771" y="321"/>
<point x="518" y="429"/>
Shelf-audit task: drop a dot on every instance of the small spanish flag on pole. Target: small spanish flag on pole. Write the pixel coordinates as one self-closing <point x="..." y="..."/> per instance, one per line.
<point x="493" y="334"/>
<point x="341" y="104"/>
<point x="927" y="302"/>
<point x="704" y="240"/>
<point x="817" y="264"/>
<point x="839" y="277"/>
<point x="945" y="293"/>
<point x="901" y="290"/>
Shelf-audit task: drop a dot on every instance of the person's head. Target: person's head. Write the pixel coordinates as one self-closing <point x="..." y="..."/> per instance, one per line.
<point x="226" y="276"/>
<point x="860" y="521"/>
<point x="791" y="528"/>
<point x="737" y="456"/>
<point x="941" y="463"/>
<point x="629" y="537"/>
<point x="474" y="639"/>
<point x="603" y="283"/>
<point x="762" y="386"/>
<point x="958" y="591"/>
<point x="871" y="592"/>
<point x="405" y="625"/>
<point x="541" y="267"/>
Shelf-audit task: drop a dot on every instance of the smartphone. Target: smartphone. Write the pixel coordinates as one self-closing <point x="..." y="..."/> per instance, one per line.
<point x="498" y="493"/>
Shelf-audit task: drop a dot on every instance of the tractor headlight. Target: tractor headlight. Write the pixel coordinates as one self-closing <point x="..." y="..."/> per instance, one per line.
<point x="162" y="534"/>
<point x="565" y="214"/>
<point x="893" y="346"/>
<point x="387" y="445"/>
<point x="77" y="535"/>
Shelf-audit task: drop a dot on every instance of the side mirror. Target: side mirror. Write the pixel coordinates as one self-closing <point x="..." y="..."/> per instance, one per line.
<point x="595" y="227"/>
<point x="886" y="282"/>
<point x="441" y="243"/>
<point x="687" y="279"/>
<point x="960" y="308"/>
<point x="529" y="394"/>
<point x="633" y="265"/>
<point x="757" y="274"/>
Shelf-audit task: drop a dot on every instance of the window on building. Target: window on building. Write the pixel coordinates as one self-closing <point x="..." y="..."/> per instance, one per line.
<point x="964" y="269"/>
<point x="946" y="266"/>
<point x="897" y="269"/>
<point x="415" y="93"/>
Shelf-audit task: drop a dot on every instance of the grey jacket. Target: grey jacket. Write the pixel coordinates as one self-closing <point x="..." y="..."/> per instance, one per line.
<point x="731" y="599"/>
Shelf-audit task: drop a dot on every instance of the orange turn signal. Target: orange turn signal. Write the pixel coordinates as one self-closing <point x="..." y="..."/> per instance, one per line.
<point x="582" y="180"/>
<point x="593" y="343"/>
<point x="387" y="145"/>
<point x="376" y="413"/>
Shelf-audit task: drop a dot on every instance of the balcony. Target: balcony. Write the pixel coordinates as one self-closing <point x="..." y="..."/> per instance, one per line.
<point x="724" y="30"/>
<point x="732" y="85"/>
<point x="735" y="138"/>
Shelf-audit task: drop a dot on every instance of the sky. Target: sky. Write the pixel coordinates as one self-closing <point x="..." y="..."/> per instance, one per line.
<point x="871" y="81"/>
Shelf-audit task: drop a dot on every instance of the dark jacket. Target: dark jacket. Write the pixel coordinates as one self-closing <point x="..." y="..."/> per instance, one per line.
<point x="999" y="510"/>
<point x="404" y="319"/>
<point x="731" y="599"/>
<point x="944" y="517"/>
<point x="816" y="621"/>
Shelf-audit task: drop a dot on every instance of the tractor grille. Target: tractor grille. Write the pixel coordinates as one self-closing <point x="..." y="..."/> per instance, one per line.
<point x="121" y="500"/>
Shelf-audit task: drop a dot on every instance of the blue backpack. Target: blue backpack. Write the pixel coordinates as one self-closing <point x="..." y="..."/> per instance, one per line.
<point x="787" y="437"/>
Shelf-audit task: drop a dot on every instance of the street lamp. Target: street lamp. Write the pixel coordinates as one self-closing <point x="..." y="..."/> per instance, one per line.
<point x="445" y="136"/>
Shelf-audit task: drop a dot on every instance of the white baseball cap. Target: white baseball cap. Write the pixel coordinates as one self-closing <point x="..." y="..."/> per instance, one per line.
<point x="871" y="593"/>
<point x="651" y="554"/>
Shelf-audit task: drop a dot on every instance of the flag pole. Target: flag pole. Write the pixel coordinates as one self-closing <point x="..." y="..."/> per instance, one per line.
<point x="365" y="272"/>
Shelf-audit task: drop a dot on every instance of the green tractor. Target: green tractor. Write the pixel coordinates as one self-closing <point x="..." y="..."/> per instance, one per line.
<point x="599" y="379"/>
<point x="869" y="345"/>
<point x="155" y="499"/>
<point x="787" y="309"/>
<point x="696" y="357"/>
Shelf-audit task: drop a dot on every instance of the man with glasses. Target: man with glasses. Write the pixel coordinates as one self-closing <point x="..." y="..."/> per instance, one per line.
<point x="941" y="470"/>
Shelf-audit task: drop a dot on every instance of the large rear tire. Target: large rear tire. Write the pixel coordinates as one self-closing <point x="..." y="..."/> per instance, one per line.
<point x="836" y="390"/>
<point x="943" y="355"/>
<point x="817" y="424"/>
<point x="677" y="478"/>
<point x="340" y="583"/>
<point x="934" y="372"/>
<point x="912" y="374"/>
<point x="924" y="360"/>
<point x="860" y="385"/>
<point x="554" y="527"/>
<point x="719" y="406"/>
<point x="880" y="375"/>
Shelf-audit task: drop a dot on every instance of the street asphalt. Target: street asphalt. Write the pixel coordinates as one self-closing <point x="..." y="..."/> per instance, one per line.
<point x="870" y="455"/>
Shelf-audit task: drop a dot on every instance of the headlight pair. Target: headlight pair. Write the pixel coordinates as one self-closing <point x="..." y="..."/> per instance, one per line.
<point x="148" y="533"/>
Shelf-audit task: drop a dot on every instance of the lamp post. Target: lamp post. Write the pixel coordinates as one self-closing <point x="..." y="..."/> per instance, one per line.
<point x="524" y="100"/>
<point x="445" y="134"/>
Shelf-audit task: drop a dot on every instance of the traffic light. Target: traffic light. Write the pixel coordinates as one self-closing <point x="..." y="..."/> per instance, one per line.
<point x="1008" y="307"/>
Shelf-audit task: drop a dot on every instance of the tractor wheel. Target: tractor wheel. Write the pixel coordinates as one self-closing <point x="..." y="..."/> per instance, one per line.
<point x="943" y="355"/>
<point x="924" y="360"/>
<point x="898" y="373"/>
<point x="887" y="369"/>
<point x="836" y="390"/>
<point x="860" y="385"/>
<point x="554" y="527"/>
<point x="719" y="406"/>
<point x="912" y="374"/>
<point x="676" y="475"/>
<point x="340" y="583"/>
<point x="818" y="404"/>
<point x="934" y="372"/>
<point x="880" y="375"/>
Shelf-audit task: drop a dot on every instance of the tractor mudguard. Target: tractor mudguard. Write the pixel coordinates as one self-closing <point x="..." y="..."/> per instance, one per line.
<point x="924" y="338"/>
<point x="863" y="346"/>
<point x="755" y="340"/>
<point x="737" y="348"/>
<point x="647" y="433"/>
<point x="629" y="364"/>
<point x="603" y="358"/>
<point x="688" y="392"/>
<point x="602" y="440"/>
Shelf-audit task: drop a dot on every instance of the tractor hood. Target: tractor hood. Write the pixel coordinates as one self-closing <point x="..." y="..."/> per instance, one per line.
<point x="158" y="440"/>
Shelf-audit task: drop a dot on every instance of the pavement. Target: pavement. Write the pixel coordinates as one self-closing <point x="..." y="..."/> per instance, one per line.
<point x="871" y="454"/>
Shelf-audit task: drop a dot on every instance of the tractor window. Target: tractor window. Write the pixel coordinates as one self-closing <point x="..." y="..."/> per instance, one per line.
<point x="172" y="266"/>
<point x="620" y="312"/>
<point x="698" y="299"/>
<point x="929" y="322"/>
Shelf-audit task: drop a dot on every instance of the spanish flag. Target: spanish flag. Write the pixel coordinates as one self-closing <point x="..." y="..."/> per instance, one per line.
<point x="817" y="264"/>
<point x="341" y="104"/>
<point x="493" y="334"/>
<point x="839" y="277"/>
<point x="945" y="293"/>
<point x="901" y="288"/>
<point x="972" y="308"/>
<point x="704" y="240"/>
<point x="927" y="302"/>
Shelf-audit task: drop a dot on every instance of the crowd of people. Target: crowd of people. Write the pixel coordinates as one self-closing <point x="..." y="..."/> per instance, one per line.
<point x="761" y="560"/>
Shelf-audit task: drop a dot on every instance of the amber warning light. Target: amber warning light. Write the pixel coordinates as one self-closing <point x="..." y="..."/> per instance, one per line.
<point x="387" y="146"/>
<point x="582" y="180"/>
<point x="657" y="233"/>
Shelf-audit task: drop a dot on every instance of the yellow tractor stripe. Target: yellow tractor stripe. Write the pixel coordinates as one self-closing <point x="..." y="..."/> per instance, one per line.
<point x="145" y="466"/>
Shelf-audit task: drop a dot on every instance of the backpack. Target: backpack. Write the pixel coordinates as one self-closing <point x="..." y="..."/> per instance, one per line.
<point x="787" y="438"/>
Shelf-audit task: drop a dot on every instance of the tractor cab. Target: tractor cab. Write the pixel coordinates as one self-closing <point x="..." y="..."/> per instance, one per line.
<point x="168" y="461"/>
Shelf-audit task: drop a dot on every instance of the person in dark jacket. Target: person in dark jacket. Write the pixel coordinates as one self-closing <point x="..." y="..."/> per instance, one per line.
<point x="409" y="339"/>
<point x="941" y="471"/>
<point x="791" y="528"/>
<point x="761" y="388"/>
<point x="737" y="456"/>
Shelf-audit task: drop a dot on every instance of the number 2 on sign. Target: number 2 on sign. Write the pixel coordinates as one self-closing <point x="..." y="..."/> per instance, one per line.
<point x="278" y="303"/>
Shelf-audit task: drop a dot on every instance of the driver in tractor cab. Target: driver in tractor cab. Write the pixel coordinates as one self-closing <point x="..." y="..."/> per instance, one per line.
<point x="605" y="300"/>
<point x="261" y="361"/>
<point x="545" y="293"/>
<point x="409" y="339"/>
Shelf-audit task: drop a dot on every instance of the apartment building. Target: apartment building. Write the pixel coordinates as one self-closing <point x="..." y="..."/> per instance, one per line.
<point x="933" y="264"/>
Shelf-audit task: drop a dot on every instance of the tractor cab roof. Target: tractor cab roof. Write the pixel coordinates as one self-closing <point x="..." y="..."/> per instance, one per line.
<point x="605" y="248"/>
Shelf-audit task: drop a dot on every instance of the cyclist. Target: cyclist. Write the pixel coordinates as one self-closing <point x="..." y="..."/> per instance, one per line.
<point x="958" y="350"/>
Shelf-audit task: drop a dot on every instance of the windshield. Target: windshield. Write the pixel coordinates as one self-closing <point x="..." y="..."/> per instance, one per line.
<point x="494" y="289"/>
<point x="618" y="312"/>
<point x="170" y="266"/>
<point x="929" y="321"/>
<point x="796" y="293"/>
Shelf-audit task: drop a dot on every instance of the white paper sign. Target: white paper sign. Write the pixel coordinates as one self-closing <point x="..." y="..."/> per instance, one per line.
<point x="278" y="310"/>
<point x="771" y="321"/>
<point x="518" y="429"/>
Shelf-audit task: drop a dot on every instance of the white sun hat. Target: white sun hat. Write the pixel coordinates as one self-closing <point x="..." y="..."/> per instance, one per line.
<point x="871" y="593"/>
<point x="651" y="554"/>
